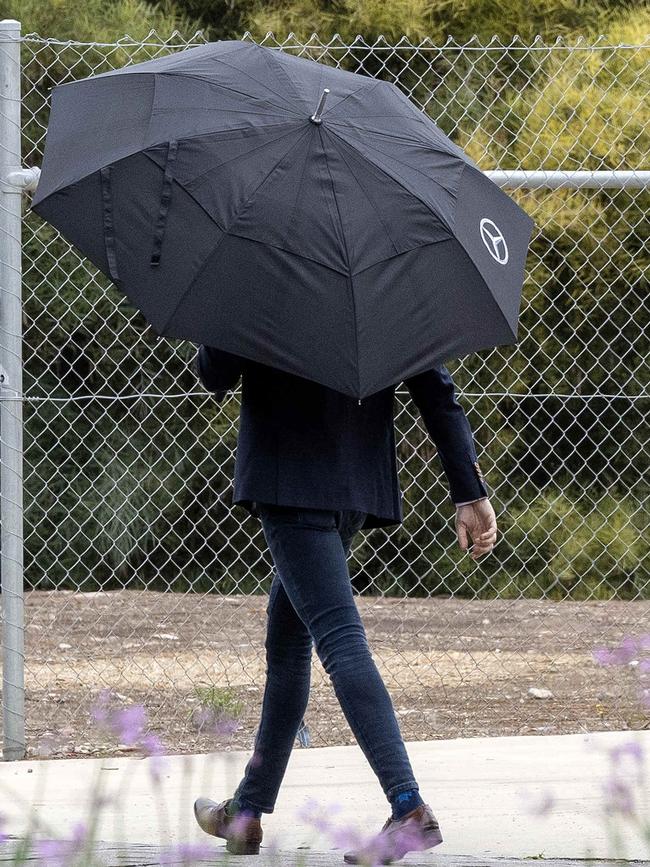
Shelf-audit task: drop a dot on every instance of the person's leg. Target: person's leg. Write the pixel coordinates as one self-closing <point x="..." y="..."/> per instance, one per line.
<point x="310" y="559"/>
<point x="349" y="523"/>
<point x="286" y="693"/>
<point x="288" y="672"/>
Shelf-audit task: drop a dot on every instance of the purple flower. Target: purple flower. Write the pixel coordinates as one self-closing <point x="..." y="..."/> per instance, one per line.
<point x="128" y="724"/>
<point x="372" y="850"/>
<point x="187" y="853"/>
<point x="633" y="749"/>
<point x="60" y="853"/>
<point x="619" y="797"/>
<point x="3" y="836"/>
<point x="621" y="655"/>
<point x="226" y="726"/>
<point x="99" y="711"/>
<point x="205" y="718"/>
<point x="151" y="745"/>
<point x="410" y="837"/>
<point x="239" y="822"/>
<point x="378" y="848"/>
<point x="317" y="815"/>
<point x="629" y="652"/>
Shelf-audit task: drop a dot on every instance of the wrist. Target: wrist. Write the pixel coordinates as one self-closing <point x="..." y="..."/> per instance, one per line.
<point x="469" y="502"/>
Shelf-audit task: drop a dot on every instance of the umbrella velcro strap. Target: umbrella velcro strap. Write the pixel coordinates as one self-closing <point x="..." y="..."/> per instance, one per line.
<point x="165" y="198"/>
<point x="109" y="236"/>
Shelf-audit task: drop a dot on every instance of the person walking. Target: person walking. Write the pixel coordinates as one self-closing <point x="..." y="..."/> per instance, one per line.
<point x="316" y="466"/>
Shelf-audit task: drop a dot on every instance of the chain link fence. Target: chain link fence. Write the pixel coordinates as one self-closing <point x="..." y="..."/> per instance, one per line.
<point x="141" y="578"/>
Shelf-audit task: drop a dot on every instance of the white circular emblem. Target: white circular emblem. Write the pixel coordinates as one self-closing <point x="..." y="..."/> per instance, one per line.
<point x="492" y="237"/>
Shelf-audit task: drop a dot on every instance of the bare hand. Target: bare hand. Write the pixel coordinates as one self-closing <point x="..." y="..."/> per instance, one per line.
<point x="477" y="521"/>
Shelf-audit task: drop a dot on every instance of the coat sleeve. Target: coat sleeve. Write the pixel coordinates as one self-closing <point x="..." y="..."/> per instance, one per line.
<point x="433" y="393"/>
<point x="217" y="370"/>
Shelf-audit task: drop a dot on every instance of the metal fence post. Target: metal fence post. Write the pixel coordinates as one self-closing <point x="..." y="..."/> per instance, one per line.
<point x="11" y="410"/>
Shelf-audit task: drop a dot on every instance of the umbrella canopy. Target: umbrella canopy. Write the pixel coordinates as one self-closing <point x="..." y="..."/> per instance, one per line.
<point x="299" y="215"/>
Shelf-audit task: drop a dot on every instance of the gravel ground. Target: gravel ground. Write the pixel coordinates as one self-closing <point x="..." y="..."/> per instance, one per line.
<point x="454" y="667"/>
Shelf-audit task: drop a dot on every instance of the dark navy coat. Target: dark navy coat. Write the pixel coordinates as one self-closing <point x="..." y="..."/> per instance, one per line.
<point x="301" y="443"/>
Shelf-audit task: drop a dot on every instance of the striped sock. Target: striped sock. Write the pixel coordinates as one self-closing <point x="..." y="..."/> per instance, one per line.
<point x="405" y="802"/>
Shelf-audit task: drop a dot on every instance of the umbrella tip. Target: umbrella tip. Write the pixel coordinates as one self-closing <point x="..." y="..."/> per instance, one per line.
<point x="316" y="116"/>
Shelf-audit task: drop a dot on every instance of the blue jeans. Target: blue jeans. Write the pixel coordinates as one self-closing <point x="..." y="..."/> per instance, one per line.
<point x="311" y="600"/>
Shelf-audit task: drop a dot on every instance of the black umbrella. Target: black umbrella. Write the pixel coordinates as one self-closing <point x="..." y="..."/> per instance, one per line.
<point x="305" y="217"/>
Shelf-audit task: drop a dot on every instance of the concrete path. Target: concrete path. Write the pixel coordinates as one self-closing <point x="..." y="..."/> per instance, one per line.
<point x="479" y="788"/>
<point x="113" y="855"/>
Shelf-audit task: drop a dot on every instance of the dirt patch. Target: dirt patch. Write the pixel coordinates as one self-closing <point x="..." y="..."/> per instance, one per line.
<point x="454" y="668"/>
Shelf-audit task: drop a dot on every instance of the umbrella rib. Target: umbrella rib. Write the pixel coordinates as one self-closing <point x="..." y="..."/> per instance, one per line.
<point x="215" y="133"/>
<point x="164" y="142"/>
<point x="238" y="156"/>
<point x="252" y="77"/>
<point x="348" y="276"/>
<point x="376" y="81"/>
<point x="239" y="235"/>
<point x="225" y="233"/>
<point x="292" y="216"/>
<point x="392" y="177"/>
<point x="189" y="192"/>
<point x="408" y="250"/>
<point x="423" y="143"/>
<point x="172" y="61"/>
<point x="225" y="87"/>
<point x="245" y="111"/>
<point x="401" y="162"/>
<point x="411" y="192"/>
<point x="273" y="56"/>
<point x="200" y="269"/>
<point x="267" y="176"/>
<point x="373" y="204"/>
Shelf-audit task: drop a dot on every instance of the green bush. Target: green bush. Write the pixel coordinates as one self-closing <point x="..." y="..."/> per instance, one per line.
<point x="594" y="548"/>
<point x="133" y="490"/>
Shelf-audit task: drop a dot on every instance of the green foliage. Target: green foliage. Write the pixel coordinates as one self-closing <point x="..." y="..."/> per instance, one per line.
<point x="219" y="699"/>
<point x="221" y="19"/>
<point x="584" y="113"/>
<point x="97" y="21"/>
<point x="432" y="19"/>
<point x="568" y="547"/>
<point x="136" y="490"/>
<point x="554" y="546"/>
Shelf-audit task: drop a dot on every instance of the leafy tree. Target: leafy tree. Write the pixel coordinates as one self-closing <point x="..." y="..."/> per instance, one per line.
<point x="135" y="490"/>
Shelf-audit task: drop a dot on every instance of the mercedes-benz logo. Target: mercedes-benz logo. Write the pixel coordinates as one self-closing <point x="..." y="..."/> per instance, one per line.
<point x="492" y="237"/>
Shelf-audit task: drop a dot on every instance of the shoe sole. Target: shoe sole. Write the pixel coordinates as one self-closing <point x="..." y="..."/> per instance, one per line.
<point x="430" y="838"/>
<point x="242" y="847"/>
<point x="234" y="845"/>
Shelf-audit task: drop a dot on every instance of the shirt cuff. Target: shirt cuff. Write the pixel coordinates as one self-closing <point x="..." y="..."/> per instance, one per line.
<point x="467" y="502"/>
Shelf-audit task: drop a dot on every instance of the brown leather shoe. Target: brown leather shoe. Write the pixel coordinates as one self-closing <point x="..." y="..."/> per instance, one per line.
<point x="416" y="831"/>
<point x="243" y="833"/>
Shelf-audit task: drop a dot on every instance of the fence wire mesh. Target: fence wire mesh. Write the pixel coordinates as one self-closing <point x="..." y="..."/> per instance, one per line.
<point x="140" y="576"/>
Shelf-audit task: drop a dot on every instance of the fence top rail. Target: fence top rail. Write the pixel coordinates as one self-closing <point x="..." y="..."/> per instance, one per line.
<point x="554" y="179"/>
<point x="614" y="179"/>
<point x="337" y="43"/>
